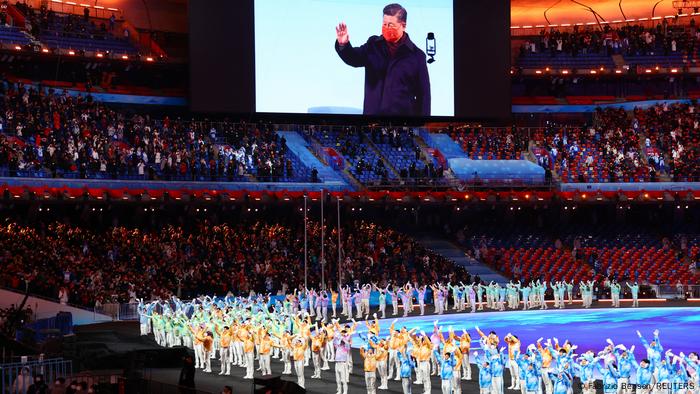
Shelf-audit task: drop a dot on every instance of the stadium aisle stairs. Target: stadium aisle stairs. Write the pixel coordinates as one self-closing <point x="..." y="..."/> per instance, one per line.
<point x="451" y="251"/>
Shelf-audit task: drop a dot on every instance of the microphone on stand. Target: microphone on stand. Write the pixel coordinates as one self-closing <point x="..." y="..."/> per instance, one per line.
<point x="431" y="47"/>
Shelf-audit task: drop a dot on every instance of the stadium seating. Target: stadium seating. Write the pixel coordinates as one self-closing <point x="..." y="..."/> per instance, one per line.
<point x="249" y="255"/>
<point x="590" y="48"/>
<point x="632" y="257"/>
<point x="564" y="61"/>
<point x="73" y="32"/>
<point x="491" y="143"/>
<point x="138" y="149"/>
<point x="365" y="164"/>
<point x="13" y="36"/>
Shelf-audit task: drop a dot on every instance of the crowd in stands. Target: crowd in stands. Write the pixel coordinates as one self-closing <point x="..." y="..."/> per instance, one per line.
<point x="46" y="22"/>
<point x="491" y="143"/>
<point x="56" y="135"/>
<point x="631" y="40"/>
<point x="47" y="133"/>
<point x="661" y="142"/>
<point x="672" y="139"/>
<point x="121" y="264"/>
<point x="608" y="151"/>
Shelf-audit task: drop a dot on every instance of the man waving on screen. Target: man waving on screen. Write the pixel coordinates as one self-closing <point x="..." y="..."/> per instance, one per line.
<point x="396" y="74"/>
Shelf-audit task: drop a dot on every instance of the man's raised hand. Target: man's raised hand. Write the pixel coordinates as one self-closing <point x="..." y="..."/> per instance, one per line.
<point x="341" y="32"/>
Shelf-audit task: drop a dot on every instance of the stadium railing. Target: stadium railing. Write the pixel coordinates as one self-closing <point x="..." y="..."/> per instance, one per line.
<point x="507" y="181"/>
<point x="16" y="377"/>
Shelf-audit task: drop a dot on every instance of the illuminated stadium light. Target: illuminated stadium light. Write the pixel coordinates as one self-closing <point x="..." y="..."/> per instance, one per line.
<point x="56" y="1"/>
<point x="527" y="27"/>
<point x="538" y="71"/>
<point x="648" y="70"/>
<point x="643" y="19"/>
<point x="618" y="71"/>
<point x="149" y="59"/>
<point x="655" y="18"/>
<point x="70" y="3"/>
<point x="546" y="69"/>
<point x="99" y="7"/>
<point x="590" y="23"/>
<point x="565" y="24"/>
<point x="540" y="26"/>
<point x="674" y="70"/>
<point x="17" y="47"/>
<point x="617" y="21"/>
<point x="112" y="9"/>
<point x="515" y="27"/>
<point x="630" y="20"/>
<point x="85" y="5"/>
<point x="125" y="57"/>
<point x="594" y="72"/>
<point x="554" y="25"/>
<point x="71" y="53"/>
<point x="100" y="55"/>
<point x="45" y="50"/>
<point x="564" y="71"/>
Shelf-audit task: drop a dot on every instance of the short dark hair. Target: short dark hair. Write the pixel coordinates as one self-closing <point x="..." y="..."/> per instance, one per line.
<point x="396" y="10"/>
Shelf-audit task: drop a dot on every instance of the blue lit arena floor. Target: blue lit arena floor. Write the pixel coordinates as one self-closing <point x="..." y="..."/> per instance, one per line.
<point x="587" y="328"/>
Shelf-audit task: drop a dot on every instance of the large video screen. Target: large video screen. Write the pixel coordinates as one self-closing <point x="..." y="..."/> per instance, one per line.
<point x="413" y="59"/>
<point x="381" y="68"/>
